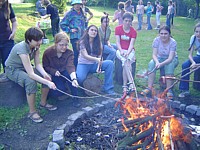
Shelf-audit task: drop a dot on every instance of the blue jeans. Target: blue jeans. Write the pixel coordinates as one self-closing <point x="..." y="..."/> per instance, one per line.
<point x="149" y="27"/>
<point x="5" y="48"/>
<point x="110" y="52"/>
<point x="168" y="20"/>
<point x="60" y="83"/>
<point x="107" y="65"/>
<point x="185" y="85"/>
<point x="139" y="21"/>
<point x="76" y="53"/>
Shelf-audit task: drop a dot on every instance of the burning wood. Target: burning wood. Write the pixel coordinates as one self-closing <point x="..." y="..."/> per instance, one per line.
<point x="152" y="126"/>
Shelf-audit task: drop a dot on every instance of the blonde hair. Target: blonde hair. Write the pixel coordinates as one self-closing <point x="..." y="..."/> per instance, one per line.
<point x="61" y="36"/>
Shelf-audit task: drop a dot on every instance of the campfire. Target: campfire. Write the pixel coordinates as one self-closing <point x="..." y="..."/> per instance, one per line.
<point x="145" y="123"/>
<point x="151" y="124"/>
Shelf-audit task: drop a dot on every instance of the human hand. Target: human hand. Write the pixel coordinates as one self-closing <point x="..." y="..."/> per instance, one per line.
<point x="47" y="77"/>
<point x="193" y="65"/>
<point x="99" y="67"/>
<point x="57" y="73"/>
<point x="51" y="85"/>
<point x="75" y="83"/>
<point x="74" y="30"/>
<point x="11" y="37"/>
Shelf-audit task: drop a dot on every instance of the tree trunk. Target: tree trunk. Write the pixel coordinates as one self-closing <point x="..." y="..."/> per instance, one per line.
<point x="197" y="8"/>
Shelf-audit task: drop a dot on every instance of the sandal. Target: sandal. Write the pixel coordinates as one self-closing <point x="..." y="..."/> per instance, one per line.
<point x="170" y="95"/>
<point x="131" y="87"/>
<point x="48" y="107"/>
<point x="35" y="119"/>
<point x="146" y="91"/>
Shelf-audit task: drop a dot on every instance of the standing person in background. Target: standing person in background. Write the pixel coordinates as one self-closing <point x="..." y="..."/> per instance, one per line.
<point x="52" y="12"/>
<point x="173" y="12"/>
<point x="40" y="8"/>
<point x="129" y="7"/>
<point x="73" y="23"/>
<point x="20" y="70"/>
<point x="149" y="10"/>
<point x="169" y="14"/>
<point x="158" y="14"/>
<point x="7" y="33"/>
<point x="59" y="60"/>
<point x="125" y="40"/>
<point x="109" y="49"/>
<point x="86" y="11"/>
<point x="140" y="12"/>
<point x="192" y="63"/>
<point x="164" y="56"/>
<point x="119" y="14"/>
<point x="89" y="60"/>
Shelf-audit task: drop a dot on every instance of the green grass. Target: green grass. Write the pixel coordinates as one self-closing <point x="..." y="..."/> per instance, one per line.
<point x="182" y="31"/>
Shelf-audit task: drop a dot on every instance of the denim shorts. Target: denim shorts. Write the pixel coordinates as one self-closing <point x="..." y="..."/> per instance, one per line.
<point x="168" y="69"/>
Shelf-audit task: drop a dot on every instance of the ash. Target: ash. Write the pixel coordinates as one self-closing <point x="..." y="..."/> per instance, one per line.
<point x="97" y="131"/>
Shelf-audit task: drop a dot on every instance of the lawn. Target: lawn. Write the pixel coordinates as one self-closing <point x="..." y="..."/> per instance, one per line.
<point x="181" y="32"/>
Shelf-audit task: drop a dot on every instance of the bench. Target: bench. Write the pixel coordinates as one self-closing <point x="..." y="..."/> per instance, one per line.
<point x="118" y="71"/>
<point x="11" y="94"/>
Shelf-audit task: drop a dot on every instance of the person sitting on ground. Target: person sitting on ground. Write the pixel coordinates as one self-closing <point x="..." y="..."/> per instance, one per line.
<point x="40" y="8"/>
<point x="7" y="30"/>
<point x="192" y="63"/>
<point x="59" y="60"/>
<point x="119" y="14"/>
<point x="90" y="59"/>
<point x="164" y="57"/>
<point x="52" y="12"/>
<point x="104" y="30"/>
<point x="20" y="70"/>
<point x="86" y="11"/>
<point x="125" y="40"/>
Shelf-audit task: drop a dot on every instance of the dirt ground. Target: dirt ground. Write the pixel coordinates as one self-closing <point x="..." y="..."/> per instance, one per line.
<point x="27" y="135"/>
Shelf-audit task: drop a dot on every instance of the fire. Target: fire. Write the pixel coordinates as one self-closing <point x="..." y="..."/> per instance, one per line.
<point x="155" y="120"/>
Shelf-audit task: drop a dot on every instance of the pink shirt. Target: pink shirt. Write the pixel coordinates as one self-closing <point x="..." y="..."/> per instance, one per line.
<point x="125" y="38"/>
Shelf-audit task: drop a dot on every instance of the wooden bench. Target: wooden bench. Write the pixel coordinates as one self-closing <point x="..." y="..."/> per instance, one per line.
<point x="118" y="71"/>
<point x="11" y="94"/>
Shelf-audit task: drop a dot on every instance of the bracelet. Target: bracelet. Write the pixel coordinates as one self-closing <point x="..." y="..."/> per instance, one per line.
<point x="74" y="79"/>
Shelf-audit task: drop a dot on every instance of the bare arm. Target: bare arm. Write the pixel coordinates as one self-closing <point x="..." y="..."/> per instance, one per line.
<point x="131" y="45"/>
<point x="14" y="28"/>
<point x="91" y="15"/>
<point x="191" y="57"/>
<point x="85" y="54"/>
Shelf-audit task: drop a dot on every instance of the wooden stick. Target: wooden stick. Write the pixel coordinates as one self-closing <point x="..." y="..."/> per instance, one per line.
<point x="170" y="136"/>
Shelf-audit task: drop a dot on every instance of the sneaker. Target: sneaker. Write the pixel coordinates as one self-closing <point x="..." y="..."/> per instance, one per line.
<point x="184" y="94"/>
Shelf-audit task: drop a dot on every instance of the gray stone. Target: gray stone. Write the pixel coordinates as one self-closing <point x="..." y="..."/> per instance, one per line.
<point x="191" y="109"/>
<point x="11" y="94"/>
<point x="100" y="106"/>
<point x="108" y="103"/>
<point x="182" y="107"/>
<point x="58" y="137"/>
<point x="198" y="112"/>
<point x="78" y="116"/>
<point x="62" y="127"/>
<point x="53" y="146"/>
<point x="89" y="111"/>
<point x="68" y="126"/>
<point x="176" y="104"/>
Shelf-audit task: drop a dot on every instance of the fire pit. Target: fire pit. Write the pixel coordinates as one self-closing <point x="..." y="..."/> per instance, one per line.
<point x="137" y="124"/>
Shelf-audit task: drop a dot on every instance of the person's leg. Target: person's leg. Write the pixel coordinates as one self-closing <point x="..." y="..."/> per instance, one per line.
<point x="151" y="76"/>
<point x="108" y="66"/>
<point x="110" y="52"/>
<point x="76" y="53"/>
<point x="82" y="72"/>
<point x="53" y="26"/>
<point x="5" y="50"/>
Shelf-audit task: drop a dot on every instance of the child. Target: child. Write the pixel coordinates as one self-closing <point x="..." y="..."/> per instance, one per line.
<point x="86" y="11"/>
<point x="52" y="12"/>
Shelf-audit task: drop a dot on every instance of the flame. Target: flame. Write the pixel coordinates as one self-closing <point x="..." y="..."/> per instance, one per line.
<point x="170" y="128"/>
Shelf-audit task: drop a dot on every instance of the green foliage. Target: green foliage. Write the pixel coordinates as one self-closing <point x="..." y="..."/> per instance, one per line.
<point x="61" y="4"/>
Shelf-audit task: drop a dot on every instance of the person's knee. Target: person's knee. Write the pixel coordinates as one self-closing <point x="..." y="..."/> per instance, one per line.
<point x="30" y="86"/>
